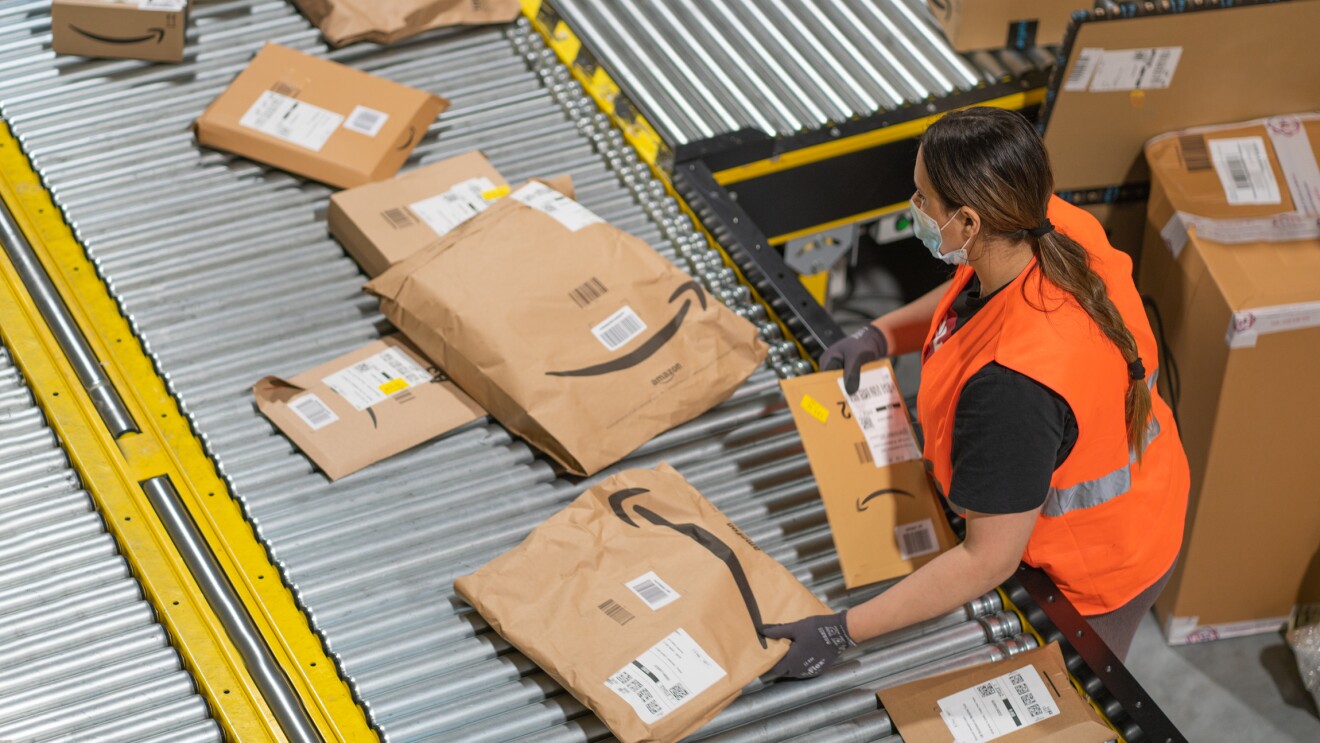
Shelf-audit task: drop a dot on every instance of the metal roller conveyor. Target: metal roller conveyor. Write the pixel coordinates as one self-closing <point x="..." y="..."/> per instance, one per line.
<point x="224" y="269"/>
<point x="82" y="656"/>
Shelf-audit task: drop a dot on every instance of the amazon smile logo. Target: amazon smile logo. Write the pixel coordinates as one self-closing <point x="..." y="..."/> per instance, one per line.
<point x="667" y="375"/>
<point x="156" y="32"/>
<point x="652" y="344"/>
<point x="862" y="502"/>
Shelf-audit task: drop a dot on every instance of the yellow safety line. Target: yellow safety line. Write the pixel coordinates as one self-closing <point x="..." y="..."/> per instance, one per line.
<point x="864" y="216"/>
<point x="167" y="446"/>
<point x="863" y="141"/>
<point x="603" y="90"/>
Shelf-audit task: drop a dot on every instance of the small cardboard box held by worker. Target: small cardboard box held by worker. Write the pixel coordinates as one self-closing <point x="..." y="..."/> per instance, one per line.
<point x="644" y="602"/>
<point x="1028" y="697"/>
<point x="318" y="119"/>
<point x="572" y="333"/>
<point x="884" y="516"/>
<point x="151" y="30"/>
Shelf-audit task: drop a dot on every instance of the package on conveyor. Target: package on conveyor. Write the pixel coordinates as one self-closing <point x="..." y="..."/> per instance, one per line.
<point x="130" y="29"/>
<point x="971" y="25"/>
<point x="883" y="514"/>
<point x="574" y="334"/>
<point x="644" y="602"/>
<point x="1232" y="261"/>
<point x="317" y="118"/>
<point x="348" y="21"/>
<point x="380" y="400"/>
<point x="1028" y="697"/>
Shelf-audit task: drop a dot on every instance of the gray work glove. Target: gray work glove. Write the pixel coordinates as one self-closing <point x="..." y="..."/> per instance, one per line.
<point x="862" y="347"/>
<point x="817" y="644"/>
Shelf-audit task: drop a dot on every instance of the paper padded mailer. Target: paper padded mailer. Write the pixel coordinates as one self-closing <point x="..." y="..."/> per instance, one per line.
<point x="348" y="21"/>
<point x="642" y="568"/>
<point x="382" y="399"/>
<point x="574" y="334"/>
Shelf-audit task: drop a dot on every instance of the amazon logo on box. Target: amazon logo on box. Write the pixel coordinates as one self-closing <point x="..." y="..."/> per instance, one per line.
<point x="149" y="29"/>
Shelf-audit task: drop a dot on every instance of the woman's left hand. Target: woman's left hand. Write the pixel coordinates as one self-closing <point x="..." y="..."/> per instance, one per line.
<point x="817" y="643"/>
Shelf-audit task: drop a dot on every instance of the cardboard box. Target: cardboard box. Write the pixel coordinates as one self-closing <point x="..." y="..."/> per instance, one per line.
<point x="129" y="29"/>
<point x="348" y="21"/>
<point x="1028" y="697"/>
<point x="644" y="602"/>
<point x="318" y="119"/>
<point x="885" y="518"/>
<point x="995" y="24"/>
<point x="1124" y="223"/>
<point x="380" y="224"/>
<point x="371" y="404"/>
<point x="1128" y="79"/>
<point x="1238" y="286"/>
<point x="574" y="334"/>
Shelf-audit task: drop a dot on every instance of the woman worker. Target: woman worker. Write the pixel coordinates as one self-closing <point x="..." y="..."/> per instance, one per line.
<point x="1041" y="420"/>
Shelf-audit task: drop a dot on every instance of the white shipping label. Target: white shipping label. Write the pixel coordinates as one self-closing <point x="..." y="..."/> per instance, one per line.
<point x="998" y="707"/>
<point x="313" y="411"/>
<point x="877" y="407"/>
<point x="443" y="212"/>
<point x="1243" y="165"/>
<point x="1134" y="69"/>
<point x="566" y="211"/>
<point x="654" y="592"/>
<point x="174" y="5"/>
<point x="1283" y="227"/>
<point x="617" y="329"/>
<point x="1174" y="235"/>
<point x="366" y="121"/>
<point x="291" y="120"/>
<point x="1245" y="326"/>
<point x="1080" y="75"/>
<point x="1293" y="149"/>
<point x="665" y="677"/>
<point x="916" y="539"/>
<point x="375" y="378"/>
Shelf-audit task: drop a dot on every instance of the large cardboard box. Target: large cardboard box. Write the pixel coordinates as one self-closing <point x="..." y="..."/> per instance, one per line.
<point x="1232" y="259"/>
<point x="994" y="24"/>
<point x="574" y="334"/>
<point x="644" y="602"/>
<point x="380" y="224"/>
<point x="885" y="518"/>
<point x="130" y="29"/>
<point x="318" y="119"/>
<point x="385" y="22"/>
<point x="368" y="405"/>
<point x="1028" y="697"/>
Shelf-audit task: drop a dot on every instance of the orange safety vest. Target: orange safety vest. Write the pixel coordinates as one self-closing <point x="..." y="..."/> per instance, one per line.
<point x="1110" y="526"/>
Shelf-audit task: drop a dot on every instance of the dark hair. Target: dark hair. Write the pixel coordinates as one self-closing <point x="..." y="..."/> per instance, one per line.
<point x="993" y="161"/>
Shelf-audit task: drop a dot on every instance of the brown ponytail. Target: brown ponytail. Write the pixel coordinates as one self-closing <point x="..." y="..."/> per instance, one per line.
<point x="993" y="161"/>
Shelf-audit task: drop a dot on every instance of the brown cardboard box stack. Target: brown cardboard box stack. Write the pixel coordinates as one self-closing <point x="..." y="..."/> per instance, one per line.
<point x="971" y="25"/>
<point x="132" y="29"/>
<point x="1232" y="259"/>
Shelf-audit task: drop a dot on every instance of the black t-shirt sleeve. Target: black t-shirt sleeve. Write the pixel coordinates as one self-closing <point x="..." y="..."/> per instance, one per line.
<point x="1009" y="435"/>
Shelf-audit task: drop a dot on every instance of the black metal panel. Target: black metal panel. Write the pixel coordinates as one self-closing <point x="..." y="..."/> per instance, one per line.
<point x="762" y="264"/>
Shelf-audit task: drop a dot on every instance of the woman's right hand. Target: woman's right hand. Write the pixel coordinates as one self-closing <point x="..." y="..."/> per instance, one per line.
<point x="850" y="354"/>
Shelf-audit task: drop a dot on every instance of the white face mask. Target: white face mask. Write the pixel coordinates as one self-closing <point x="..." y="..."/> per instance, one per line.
<point x="931" y="235"/>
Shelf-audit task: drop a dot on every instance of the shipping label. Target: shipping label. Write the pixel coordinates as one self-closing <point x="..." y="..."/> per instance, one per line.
<point x="169" y="5"/>
<point x="916" y="539"/>
<point x="877" y="406"/>
<point x="653" y="592"/>
<point x="443" y="212"/>
<point x="617" y="329"/>
<point x="1128" y="69"/>
<point x="566" y="211"/>
<point x="291" y="120"/>
<point x="1243" y="165"/>
<point x="366" y="121"/>
<point x="375" y="378"/>
<point x="313" y="411"/>
<point x="998" y="707"/>
<point x="665" y="677"/>
<point x="1297" y="160"/>
<point x="1245" y="326"/>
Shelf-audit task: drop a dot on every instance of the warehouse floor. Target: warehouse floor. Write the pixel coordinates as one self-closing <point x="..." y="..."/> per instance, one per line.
<point x="1242" y="689"/>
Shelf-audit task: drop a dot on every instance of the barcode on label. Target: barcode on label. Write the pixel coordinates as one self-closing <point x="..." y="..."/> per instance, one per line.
<point x="398" y="218"/>
<point x="916" y="539"/>
<point x="986" y="690"/>
<point x="366" y="121"/>
<point x="678" y="692"/>
<point x="315" y="414"/>
<point x="619" y="328"/>
<point x="863" y="453"/>
<point x="1245" y="171"/>
<point x="588" y="292"/>
<point x="616" y="612"/>
<point x="653" y="591"/>
<point x="1080" y="75"/>
<point x="1194" y="152"/>
<point x="1237" y="168"/>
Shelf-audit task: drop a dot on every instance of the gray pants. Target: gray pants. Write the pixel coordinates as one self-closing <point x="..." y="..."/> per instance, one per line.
<point x="1118" y="627"/>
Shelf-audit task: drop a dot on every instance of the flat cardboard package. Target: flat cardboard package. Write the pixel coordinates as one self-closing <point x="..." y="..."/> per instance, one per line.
<point x="885" y="518"/>
<point x="644" y="602"/>
<point x="130" y="29"/>
<point x="387" y="21"/>
<point x="574" y="334"/>
<point x="1026" y="698"/>
<point x="1232" y="259"/>
<point x="318" y="119"/>
<point x="368" y="405"/>
<point x="971" y="25"/>
<point x="382" y="223"/>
